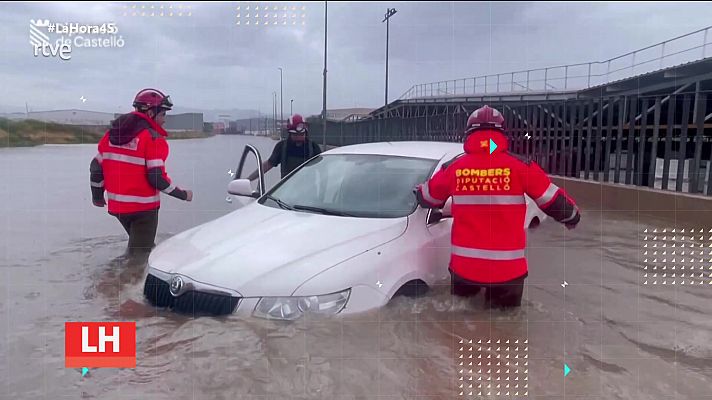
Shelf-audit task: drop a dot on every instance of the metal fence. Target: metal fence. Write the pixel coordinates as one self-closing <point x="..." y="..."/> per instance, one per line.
<point x="662" y="141"/>
<point x="686" y="48"/>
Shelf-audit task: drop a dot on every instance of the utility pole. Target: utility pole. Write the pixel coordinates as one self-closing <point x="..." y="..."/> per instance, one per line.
<point x="281" y="107"/>
<point x="274" y="112"/>
<point x="389" y="13"/>
<point x="323" y="109"/>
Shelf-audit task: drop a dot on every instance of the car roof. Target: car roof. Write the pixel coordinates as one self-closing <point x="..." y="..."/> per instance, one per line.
<point x="421" y="149"/>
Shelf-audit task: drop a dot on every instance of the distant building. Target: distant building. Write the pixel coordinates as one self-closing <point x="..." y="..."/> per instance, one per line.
<point x="174" y="122"/>
<point x="344" y="114"/>
<point x="184" y="122"/>
<point x="233" y="128"/>
<point x="14" y="116"/>
<point x="252" y="124"/>
<point x="218" y="128"/>
<point x="207" y="127"/>
<point x="72" y="117"/>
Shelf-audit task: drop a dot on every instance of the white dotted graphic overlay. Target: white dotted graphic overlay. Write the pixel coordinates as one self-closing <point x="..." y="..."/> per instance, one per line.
<point x="270" y="14"/>
<point x="492" y="367"/>
<point x="677" y="256"/>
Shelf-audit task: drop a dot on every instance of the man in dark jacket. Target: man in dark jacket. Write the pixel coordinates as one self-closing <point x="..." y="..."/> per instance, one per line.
<point x="293" y="151"/>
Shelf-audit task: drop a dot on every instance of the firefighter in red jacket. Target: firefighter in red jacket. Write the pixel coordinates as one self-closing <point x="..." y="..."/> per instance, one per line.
<point x="130" y="168"/>
<point x="487" y="185"/>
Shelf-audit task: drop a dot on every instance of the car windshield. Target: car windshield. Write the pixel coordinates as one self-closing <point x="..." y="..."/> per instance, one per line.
<point x="357" y="185"/>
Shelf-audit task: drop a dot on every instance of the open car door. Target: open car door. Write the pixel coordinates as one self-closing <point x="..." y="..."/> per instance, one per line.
<point x="241" y="185"/>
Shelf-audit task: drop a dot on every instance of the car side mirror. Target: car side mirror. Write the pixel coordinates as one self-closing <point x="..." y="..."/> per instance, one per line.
<point x="242" y="187"/>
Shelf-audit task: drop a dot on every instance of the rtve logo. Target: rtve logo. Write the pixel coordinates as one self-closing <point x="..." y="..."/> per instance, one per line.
<point x="100" y="344"/>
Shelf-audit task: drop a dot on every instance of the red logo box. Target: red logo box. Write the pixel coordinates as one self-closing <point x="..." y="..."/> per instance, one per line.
<point x="100" y="344"/>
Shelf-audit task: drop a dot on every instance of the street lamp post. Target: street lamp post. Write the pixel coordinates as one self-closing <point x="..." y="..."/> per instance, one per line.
<point x="281" y="108"/>
<point x="389" y="13"/>
<point x="323" y="109"/>
<point x="291" y="102"/>
<point x="274" y="112"/>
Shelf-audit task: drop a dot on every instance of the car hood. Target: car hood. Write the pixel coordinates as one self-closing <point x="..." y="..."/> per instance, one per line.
<point x="264" y="251"/>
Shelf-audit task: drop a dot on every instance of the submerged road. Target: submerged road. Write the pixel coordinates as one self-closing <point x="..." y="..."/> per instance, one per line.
<point x="61" y="259"/>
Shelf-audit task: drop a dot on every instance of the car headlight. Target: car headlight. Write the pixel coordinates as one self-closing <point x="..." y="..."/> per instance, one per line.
<point x="291" y="308"/>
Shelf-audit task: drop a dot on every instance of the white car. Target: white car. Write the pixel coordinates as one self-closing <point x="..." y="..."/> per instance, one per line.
<point x="340" y="234"/>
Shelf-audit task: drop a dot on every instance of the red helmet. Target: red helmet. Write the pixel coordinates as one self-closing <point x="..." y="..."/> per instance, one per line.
<point x="485" y="117"/>
<point x="296" y="124"/>
<point x="148" y="99"/>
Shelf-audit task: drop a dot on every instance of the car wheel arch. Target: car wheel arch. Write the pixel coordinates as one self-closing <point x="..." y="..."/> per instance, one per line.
<point x="412" y="288"/>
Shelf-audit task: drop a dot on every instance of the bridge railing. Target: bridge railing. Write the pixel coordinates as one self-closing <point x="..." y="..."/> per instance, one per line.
<point x="685" y="48"/>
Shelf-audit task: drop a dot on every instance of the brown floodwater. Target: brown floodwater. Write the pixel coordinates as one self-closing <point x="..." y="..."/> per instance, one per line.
<point x="62" y="259"/>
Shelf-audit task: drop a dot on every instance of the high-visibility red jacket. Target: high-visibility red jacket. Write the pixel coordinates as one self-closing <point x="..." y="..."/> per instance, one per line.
<point x="488" y="207"/>
<point x="130" y="166"/>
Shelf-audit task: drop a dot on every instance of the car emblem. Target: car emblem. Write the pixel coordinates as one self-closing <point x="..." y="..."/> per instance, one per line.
<point x="176" y="285"/>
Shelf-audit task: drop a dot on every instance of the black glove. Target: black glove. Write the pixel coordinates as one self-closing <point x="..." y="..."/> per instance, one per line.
<point x="572" y="224"/>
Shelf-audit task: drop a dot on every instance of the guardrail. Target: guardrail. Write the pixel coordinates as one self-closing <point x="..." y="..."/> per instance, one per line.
<point x="675" y="51"/>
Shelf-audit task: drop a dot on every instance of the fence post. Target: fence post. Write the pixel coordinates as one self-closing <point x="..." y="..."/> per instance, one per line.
<point x="546" y="79"/>
<point x="512" y="85"/>
<point x="566" y="77"/>
<point x="704" y="44"/>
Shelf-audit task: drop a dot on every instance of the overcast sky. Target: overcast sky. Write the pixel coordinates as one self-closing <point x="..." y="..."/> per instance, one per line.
<point x="207" y="61"/>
